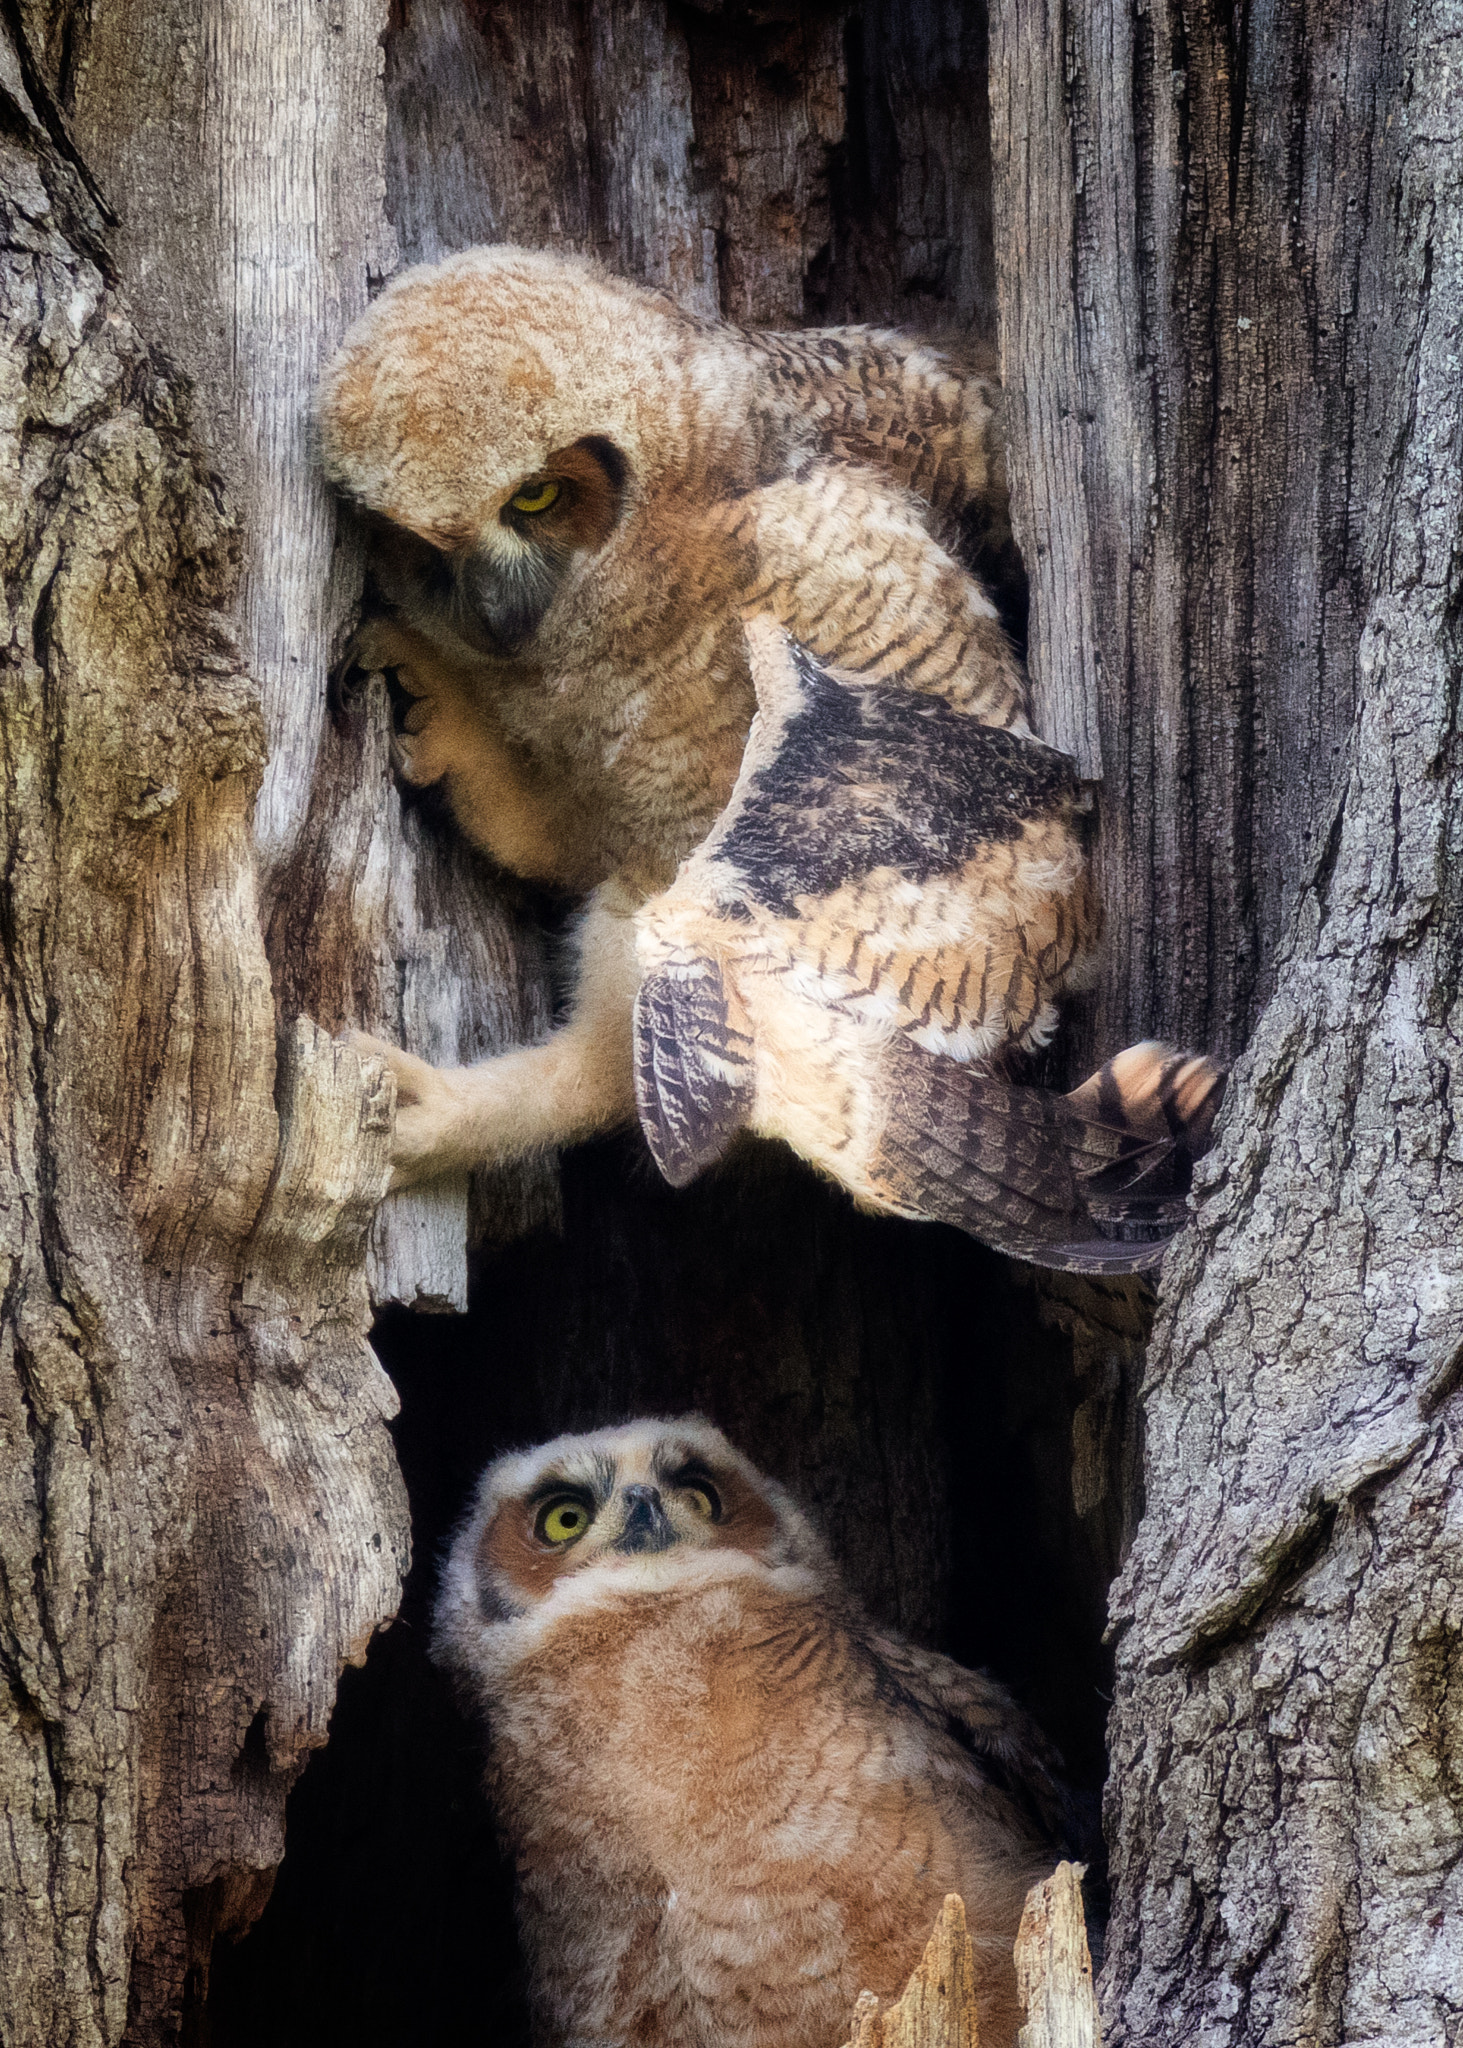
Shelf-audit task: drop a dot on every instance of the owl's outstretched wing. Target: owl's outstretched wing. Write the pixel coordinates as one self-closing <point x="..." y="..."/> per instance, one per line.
<point x="891" y="868"/>
<point x="1091" y="1182"/>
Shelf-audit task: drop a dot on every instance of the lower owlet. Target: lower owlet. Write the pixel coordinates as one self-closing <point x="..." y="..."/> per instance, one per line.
<point x="733" y="1803"/>
<point x="687" y="633"/>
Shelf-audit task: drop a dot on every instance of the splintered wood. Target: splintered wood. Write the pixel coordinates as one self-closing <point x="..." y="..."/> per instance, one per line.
<point x="1053" y="1967"/>
<point x="938" y="2006"/>
<point x="1053" y="1973"/>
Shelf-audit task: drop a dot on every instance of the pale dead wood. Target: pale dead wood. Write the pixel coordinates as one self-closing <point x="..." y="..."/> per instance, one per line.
<point x="1031" y="148"/>
<point x="937" y="2008"/>
<point x="200" y="1512"/>
<point x="251" y="230"/>
<point x="1053" y="1967"/>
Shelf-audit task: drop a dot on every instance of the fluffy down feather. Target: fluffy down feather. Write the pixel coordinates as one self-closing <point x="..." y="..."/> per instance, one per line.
<point x="732" y="1803"/>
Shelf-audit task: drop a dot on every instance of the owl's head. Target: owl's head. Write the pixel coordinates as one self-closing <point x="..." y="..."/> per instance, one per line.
<point x="633" y="1506"/>
<point x="500" y="417"/>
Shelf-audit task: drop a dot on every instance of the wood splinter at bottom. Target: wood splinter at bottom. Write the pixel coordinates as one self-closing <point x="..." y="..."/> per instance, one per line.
<point x="938" y="2006"/>
<point x="1053" y="1966"/>
<point x="1053" y="1975"/>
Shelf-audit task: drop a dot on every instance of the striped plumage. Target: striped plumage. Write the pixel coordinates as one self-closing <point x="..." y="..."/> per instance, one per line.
<point x="593" y="513"/>
<point x="733" y="1804"/>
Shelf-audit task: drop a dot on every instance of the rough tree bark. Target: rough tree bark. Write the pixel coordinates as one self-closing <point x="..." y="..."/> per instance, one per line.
<point x="200" y="1514"/>
<point x="1237" y="488"/>
<point x="1232" y="276"/>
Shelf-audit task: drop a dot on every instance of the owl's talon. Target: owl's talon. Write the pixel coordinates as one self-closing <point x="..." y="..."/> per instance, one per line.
<point x="403" y="758"/>
<point x="428" y="1112"/>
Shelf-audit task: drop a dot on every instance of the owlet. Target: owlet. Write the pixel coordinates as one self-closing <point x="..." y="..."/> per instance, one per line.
<point x="733" y="1803"/>
<point x="679" y="614"/>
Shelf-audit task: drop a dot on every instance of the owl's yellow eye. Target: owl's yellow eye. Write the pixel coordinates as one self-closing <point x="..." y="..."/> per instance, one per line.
<point x="703" y="1502"/>
<point x="560" y="1521"/>
<point x="535" y="497"/>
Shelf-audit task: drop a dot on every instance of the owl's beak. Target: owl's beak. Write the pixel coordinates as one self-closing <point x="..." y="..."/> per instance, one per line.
<point x="647" y="1526"/>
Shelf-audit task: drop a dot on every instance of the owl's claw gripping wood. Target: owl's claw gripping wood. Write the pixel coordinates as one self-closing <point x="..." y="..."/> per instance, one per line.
<point x="429" y="1113"/>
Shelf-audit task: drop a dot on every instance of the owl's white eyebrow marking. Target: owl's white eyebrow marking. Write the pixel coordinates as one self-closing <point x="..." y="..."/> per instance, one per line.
<point x="678" y="1461"/>
<point x="592" y="1475"/>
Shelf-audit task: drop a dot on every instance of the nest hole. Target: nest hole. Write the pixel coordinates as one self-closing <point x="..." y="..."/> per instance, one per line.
<point x="964" y="1430"/>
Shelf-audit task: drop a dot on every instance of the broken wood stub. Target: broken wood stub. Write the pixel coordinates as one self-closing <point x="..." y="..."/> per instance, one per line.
<point x="1054" y="1968"/>
<point x="937" y="2009"/>
<point x="1053" y="1976"/>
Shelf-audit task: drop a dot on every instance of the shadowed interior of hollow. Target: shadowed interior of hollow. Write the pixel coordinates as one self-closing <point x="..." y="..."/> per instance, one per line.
<point x="920" y="1397"/>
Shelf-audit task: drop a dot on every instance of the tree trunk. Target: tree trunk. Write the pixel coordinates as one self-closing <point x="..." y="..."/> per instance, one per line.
<point x="201" y="1516"/>
<point x="1232" y="272"/>
<point x="1236" y="485"/>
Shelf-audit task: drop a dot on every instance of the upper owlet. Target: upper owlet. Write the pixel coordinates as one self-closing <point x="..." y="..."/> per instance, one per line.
<point x="669" y="596"/>
<point x="733" y="1803"/>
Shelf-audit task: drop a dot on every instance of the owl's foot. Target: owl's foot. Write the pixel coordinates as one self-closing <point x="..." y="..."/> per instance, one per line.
<point x="451" y="1119"/>
<point x="431" y="1113"/>
<point x="431" y="728"/>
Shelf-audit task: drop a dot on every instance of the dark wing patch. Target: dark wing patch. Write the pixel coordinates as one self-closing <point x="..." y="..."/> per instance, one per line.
<point x="877" y="775"/>
<point x="693" y="1071"/>
<point x="963" y="1145"/>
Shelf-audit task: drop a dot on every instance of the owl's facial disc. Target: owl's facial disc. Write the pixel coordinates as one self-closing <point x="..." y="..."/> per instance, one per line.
<point x="489" y="590"/>
<point x="640" y="1511"/>
<point x="596" y="1509"/>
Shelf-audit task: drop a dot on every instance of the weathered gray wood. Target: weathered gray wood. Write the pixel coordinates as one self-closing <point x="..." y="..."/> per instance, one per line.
<point x="251" y="227"/>
<point x="565" y="127"/>
<point x="1264" y="250"/>
<point x="200" y="1513"/>
<point x="1293" y="1609"/>
<point x="1031" y="145"/>
<point x="250" y="207"/>
<point x="1182" y="208"/>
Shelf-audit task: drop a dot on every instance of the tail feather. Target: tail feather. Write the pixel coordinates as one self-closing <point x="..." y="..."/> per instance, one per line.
<point x="1093" y="1182"/>
<point x="1135" y="1128"/>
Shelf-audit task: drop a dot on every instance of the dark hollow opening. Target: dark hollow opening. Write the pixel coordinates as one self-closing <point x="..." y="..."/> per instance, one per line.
<point x="961" y="1429"/>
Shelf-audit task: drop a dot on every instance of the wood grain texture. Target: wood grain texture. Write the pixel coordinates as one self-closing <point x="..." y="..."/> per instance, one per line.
<point x="937" y="2007"/>
<point x="1300" y="1543"/>
<point x="249" y="202"/>
<point x="1032" y="166"/>
<point x="251" y="232"/>
<point x="200" y="1515"/>
<point x="773" y="165"/>
<point x="561" y="127"/>
<point x="1053" y="1967"/>
<point x="1183" y="245"/>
